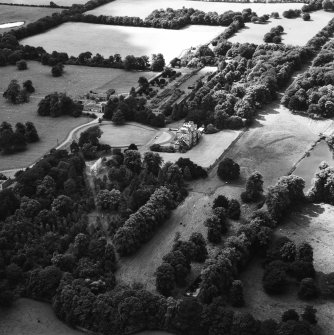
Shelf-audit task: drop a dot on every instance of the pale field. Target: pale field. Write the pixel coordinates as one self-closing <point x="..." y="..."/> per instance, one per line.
<point x="109" y="40"/>
<point x="25" y="14"/>
<point x="208" y="149"/>
<point x="276" y="141"/>
<point x="45" y="2"/>
<point x="313" y="224"/>
<point x="142" y="8"/>
<point x="76" y="81"/>
<point x="296" y="31"/>
<point x="123" y="136"/>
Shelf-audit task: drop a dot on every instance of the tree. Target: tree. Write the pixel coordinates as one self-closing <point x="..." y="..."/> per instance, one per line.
<point x="118" y="117"/>
<point x="158" y="62"/>
<point x="220" y="201"/>
<point x="307" y="289"/>
<point x="31" y="134"/>
<point x="290" y="314"/>
<point x="27" y="85"/>
<point x="254" y="188"/>
<point x="108" y="199"/>
<point x="62" y="205"/>
<point x="305" y="252"/>
<point x="274" y="279"/>
<point x="8" y="203"/>
<point x="165" y="279"/>
<point x="228" y="169"/>
<point x="21" y="65"/>
<point x="327" y="5"/>
<point x="309" y="315"/>
<point x="200" y="250"/>
<point x="12" y="92"/>
<point x="233" y="210"/>
<point x="57" y="70"/>
<point x="152" y="162"/>
<point x="306" y="17"/>
<point x="236" y="294"/>
<point x="132" y="160"/>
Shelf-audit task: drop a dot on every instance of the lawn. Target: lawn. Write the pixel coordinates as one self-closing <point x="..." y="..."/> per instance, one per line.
<point x="76" y="81"/>
<point x="143" y="8"/>
<point x="209" y="148"/>
<point x="45" y="2"/>
<point x="313" y="224"/>
<point x="26" y="14"/>
<point x="296" y="31"/>
<point x="123" y="136"/>
<point x="108" y="40"/>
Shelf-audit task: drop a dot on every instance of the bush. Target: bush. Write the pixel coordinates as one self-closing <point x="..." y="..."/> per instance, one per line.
<point x="306" y="17"/>
<point x="228" y="169"/>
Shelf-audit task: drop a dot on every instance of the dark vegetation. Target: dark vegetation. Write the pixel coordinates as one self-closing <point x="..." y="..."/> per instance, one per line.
<point x="15" y="141"/>
<point x="16" y="94"/>
<point x="274" y="36"/>
<point x="311" y="93"/>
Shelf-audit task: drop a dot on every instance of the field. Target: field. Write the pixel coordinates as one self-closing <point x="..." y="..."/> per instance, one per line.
<point x="109" y="40"/>
<point x="26" y="14"/>
<point x="296" y="31"/>
<point x="76" y="81"/>
<point x="143" y="8"/>
<point x="209" y="148"/>
<point x="313" y="224"/>
<point x="45" y="2"/>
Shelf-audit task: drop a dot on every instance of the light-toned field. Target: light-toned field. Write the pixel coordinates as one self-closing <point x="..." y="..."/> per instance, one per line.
<point x="123" y="136"/>
<point x="209" y="148"/>
<point x="143" y="8"/>
<point x="26" y="14"/>
<point x="76" y="81"/>
<point x="313" y="224"/>
<point x="29" y="317"/>
<point x="45" y="2"/>
<point x="276" y="141"/>
<point x="109" y="40"/>
<point x="296" y="31"/>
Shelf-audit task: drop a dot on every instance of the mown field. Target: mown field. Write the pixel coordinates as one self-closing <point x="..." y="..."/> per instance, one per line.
<point x="109" y="40"/>
<point x="45" y="2"/>
<point x="76" y="81"/>
<point x="143" y="8"/>
<point x="296" y="31"/>
<point x="26" y="14"/>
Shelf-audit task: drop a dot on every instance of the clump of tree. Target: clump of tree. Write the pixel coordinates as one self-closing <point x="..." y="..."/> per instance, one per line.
<point x="12" y="141"/>
<point x="228" y="169"/>
<point x="15" y="94"/>
<point x="190" y="170"/>
<point x="274" y="36"/>
<point x="291" y="13"/>
<point x="21" y="65"/>
<point x="58" y="104"/>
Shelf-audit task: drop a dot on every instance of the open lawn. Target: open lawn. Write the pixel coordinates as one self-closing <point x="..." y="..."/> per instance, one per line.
<point x="296" y="31"/>
<point x="209" y="148"/>
<point x="109" y="40"/>
<point x="45" y="2"/>
<point x="76" y="81"/>
<point x="26" y="14"/>
<point x="143" y="8"/>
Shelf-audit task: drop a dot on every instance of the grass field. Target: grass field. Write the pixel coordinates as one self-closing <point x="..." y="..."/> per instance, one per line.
<point x="76" y="81"/>
<point x="26" y="14"/>
<point x="143" y="8"/>
<point x="209" y="148"/>
<point x="296" y="31"/>
<point x="313" y="224"/>
<point x="109" y="40"/>
<point x="45" y="2"/>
